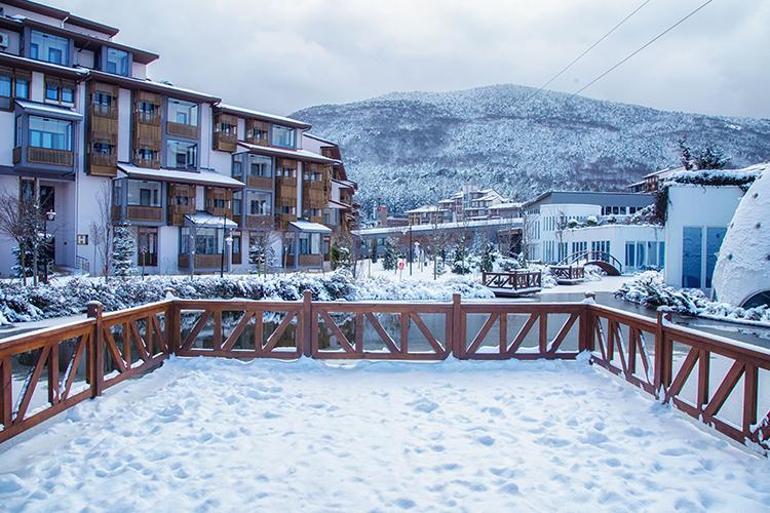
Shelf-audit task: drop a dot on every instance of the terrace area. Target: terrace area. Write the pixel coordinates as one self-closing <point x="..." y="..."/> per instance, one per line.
<point x="341" y="406"/>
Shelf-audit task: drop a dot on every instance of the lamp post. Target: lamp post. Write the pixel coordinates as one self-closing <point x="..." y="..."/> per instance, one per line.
<point x="224" y="231"/>
<point x="49" y="216"/>
<point x="411" y="250"/>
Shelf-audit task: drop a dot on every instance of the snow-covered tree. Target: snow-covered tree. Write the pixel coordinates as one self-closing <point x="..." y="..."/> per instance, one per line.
<point x="390" y="258"/>
<point x="123" y="249"/>
<point x="460" y="264"/>
<point x="101" y="229"/>
<point x="711" y="158"/>
<point x="488" y="257"/>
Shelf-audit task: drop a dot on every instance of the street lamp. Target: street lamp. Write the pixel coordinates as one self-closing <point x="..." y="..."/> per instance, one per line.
<point x="49" y="216"/>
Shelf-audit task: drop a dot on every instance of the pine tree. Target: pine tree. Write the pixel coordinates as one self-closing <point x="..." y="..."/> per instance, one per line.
<point x="459" y="261"/>
<point x="123" y="250"/>
<point x="257" y="253"/>
<point x="488" y="257"/>
<point x="711" y="158"/>
<point x="685" y="154"/>
<point x="390" y="258"/>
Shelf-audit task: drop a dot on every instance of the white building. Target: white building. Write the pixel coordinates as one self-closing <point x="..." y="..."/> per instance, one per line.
<point x="85" y="134"/>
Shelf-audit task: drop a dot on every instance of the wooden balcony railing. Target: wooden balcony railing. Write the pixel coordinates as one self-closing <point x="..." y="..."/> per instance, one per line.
<point x="225" y="142"/>
<point x="75" y="361"/>
<point x="202" y="262"/>
<point x="182" y="130"/>
<point x="50" y="157"/>
<point x="143" y="213"/>
<point x="147" y="163"/>
<point x="260" y="182"/>
<point x="257" y="222"/>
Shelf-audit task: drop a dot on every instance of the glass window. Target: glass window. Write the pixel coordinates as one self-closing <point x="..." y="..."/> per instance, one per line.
<point x="714" y="238"/>
<point x="206" y="241"/>
<point x="630" y="254"/>
<point x="238" y="203"/>
<point x="144" y="193"/>
<point x="5" y="85"/>
<point x="146" y="154"/>
<point x="52" y="134"/>
<point x="102" y="102"/>
<point x="260" y="166"/>
<point x="181" y="155"/>
<point x="102" y="148"/>
<point x="260" y="204"/>
<point x="22" y="87"/>
<point x="117" y="62"/>
<point x="284" y="137"/>
<point x="652" y="254"/>
<point x="692" y="250"/>
<point x="184" y="113"/>
<point x="52" y="91"/>
<point x="237" y="168"/>
<point x="147" y="111"/>
<point x="67" y="94"/>
<point x="49" y="48"/>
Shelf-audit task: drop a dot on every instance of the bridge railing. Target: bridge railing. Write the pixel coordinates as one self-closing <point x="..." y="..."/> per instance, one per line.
<point x="721" y="382"/>
<point x="513" y="280"/>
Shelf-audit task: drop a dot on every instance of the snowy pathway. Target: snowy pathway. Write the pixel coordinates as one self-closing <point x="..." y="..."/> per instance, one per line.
<point x="225" y="436"/>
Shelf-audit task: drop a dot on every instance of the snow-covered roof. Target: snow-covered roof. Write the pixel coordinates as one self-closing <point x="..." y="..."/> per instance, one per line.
<point x="427" y="209"/>
<point x="337" y="205"/>
<point x="717" y="177"/>
<point x="209" y="220"/>
<point x="283" y="152"/>
<point x="307" y="226"/>
<point x="505" y="206"/>
<point x="173" y="175"/>
<point x="45" y="109"/>
<point x="511" y="222"/>
<point x="232" y="109"/>
<point x="154" y="86"/>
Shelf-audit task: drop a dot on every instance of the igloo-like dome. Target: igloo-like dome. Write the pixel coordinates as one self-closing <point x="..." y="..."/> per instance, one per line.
<point x="742" y="272"/>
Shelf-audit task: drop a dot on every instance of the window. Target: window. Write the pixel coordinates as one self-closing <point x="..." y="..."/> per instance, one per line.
<point x="147" y="111"/>
<point x="225" y="128"/>
<point x="206" y="241"/>
<point x="237" y="168"/>
<point x="220" y="203"/>
<point x="6" y="86"/>
<point x="260" y="204"/>
<point x="257" y="131"/>
<point x="714" y="238"/>
<point x="181" y="155"/>
<point x="182" y="201"/>
<point x="692" y="256"/>
<point x="284" y="137"/>
<point x="309" y="243"/>
<point x="288" y="210"/>
<point x="47" y="198"/>
<point x="237" y="203"/>
<point x="59" y="91"/>
<point x="184" y="113"/>
<point x="147" y="246"/>
<point x="52" y="134"/>
<point x="102" y="102"/>
<point x="102" y="148"/>
<point x="116" y="62"/>
<point x="261" y="166"/>
<point x="144" y="193"/>
<point x="21" y="85"/>
<point x="630" y="254"/>
<point x="49" y="48"/>
<point x="146" y="154"/>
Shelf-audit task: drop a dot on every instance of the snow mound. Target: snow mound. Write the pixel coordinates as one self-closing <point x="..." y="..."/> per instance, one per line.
<point x="743" y="263"/>
<point x="211" y="435"/>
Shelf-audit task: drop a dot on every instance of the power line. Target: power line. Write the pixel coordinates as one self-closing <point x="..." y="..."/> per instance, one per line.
<point x="645" y="45"/>
<point x="594" y="45"/>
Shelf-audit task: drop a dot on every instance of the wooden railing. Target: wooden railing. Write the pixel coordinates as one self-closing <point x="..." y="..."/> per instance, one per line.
<point x="47" y="371"/>
<point x="66" y="364"/>
<point x="568" y="273"/>
<point x="515" y="280"/>
<point x="49" y="156"/>
<point x="182" y="130"/>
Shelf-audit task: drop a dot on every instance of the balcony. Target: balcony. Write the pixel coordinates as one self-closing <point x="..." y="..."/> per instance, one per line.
<point x="102" y="165"/>
<point x="260" y="182"/>
<point x="44" y="156"/>
<point x="225" y="142"/>
<point x="202" y="262"/>
<point x="143" y="213"/>
<point x="182" y="130"/>
<point x="257" y="222"/>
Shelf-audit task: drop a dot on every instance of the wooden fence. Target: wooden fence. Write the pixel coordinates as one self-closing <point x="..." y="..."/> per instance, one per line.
<point x="713" y="379"/>
<point x="516" y="281"/>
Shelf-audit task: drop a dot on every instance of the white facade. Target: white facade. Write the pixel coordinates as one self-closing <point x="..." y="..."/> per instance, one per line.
<point x="697" y="218"/>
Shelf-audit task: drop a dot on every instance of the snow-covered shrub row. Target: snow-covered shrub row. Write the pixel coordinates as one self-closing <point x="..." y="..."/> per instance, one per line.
<point x="649" y="289"/>
<point x="64" y="298"/>
<point x="722" y="177"/>
<point x="57" y="299"/>
<point x="384" y="289"/>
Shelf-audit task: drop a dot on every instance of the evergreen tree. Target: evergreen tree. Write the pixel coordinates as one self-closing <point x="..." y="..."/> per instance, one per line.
<point x="123" y="250"/>
<point x="460" y="263"/>
<point x="257" y="253"/>
<point x="340" y="257"/>
<point x="390" y="258"/>
<point x="488" y="257"/>
<point x="685" y="154"/>
<point x="711" y="158"/>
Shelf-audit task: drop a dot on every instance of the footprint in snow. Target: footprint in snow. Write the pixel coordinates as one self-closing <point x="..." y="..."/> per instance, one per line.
<point x="424" y="405"/>
<point x="405" y="503"/>
<point x="486" y="440"/>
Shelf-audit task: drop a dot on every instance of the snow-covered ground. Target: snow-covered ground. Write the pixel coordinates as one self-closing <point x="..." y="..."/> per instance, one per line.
<point x="211" y="435"/>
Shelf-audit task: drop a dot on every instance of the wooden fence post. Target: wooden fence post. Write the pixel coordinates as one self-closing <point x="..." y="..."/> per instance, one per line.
<point x="457" y="337"/>
<point x="307" y="323"/>
<point x="663" y="356"/>
<point x="96" y="349"/>
<point x="586" y="341"/>
<point x="173" y="328"/>
<point x="6" y="398"/>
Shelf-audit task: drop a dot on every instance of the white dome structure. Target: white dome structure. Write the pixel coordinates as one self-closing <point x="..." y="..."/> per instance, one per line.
<point x="742" y="273"/>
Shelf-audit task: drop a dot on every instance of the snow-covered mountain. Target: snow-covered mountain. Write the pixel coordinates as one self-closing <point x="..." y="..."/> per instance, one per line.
<point x="407" y="149"/>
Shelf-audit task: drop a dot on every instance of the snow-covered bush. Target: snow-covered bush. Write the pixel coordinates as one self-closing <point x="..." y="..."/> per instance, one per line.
<point x="649" y="289"/>
<point x="386" y="289"/>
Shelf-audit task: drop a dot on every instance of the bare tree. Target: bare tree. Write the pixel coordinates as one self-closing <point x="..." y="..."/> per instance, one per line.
<point x="14" y="225"/>
<point x="102" y="230"/>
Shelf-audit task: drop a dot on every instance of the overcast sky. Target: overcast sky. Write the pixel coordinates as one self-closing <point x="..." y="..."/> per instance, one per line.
<point x="282" y="55"/>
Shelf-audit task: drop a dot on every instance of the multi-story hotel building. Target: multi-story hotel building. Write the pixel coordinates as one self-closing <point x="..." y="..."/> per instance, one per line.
<point x="84" y="129"/>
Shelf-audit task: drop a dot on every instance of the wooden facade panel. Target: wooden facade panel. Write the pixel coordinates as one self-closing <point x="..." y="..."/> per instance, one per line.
<point x="215" y="195"/>
<point x="260" y="182"/>
<point x="142" y="213"/>
<point x="182" y="130"/>
<point x="52" y="157"/>
<point x="176" y="211"/>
